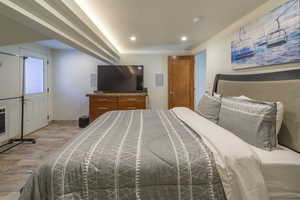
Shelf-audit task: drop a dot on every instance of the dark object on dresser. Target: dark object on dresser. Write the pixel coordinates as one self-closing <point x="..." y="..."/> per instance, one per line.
<point x="83" y="121"/>
<point x="101" y="103"/>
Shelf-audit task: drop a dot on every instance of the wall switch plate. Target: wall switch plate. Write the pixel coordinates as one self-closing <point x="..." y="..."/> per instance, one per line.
<point x="93" y="80"/>
<point x="159" y="80"/>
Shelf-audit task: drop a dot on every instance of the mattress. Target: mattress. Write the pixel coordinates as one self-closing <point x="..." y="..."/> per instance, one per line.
<point x="281" y="170"/>
<point x="237" y="163"/>
<point x="138" y="154"/>
<point x="174" y="154"/>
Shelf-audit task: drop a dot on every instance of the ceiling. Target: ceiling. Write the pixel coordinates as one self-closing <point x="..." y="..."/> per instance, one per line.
<point x="159" y="24"/>
<point x="54" y="44"/>
<point x="13" y="32"/>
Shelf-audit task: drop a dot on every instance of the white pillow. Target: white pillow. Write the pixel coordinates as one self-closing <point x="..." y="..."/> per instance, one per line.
<point x="279" y="114"/>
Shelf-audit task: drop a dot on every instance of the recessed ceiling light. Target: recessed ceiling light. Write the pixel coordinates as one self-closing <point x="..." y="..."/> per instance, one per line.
<point x="132" y="38"/>
<point x="184" y="38"/>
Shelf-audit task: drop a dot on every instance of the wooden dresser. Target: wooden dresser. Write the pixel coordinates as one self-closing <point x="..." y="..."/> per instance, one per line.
<point x="101" y="103"/>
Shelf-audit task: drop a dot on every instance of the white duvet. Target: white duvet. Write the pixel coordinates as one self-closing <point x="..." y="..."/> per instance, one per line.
<point x="281" y="171"/>
<point x="238" y="165"/>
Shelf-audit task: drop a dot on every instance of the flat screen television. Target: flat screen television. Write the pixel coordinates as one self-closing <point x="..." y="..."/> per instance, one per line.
<point x="120" y="78"/>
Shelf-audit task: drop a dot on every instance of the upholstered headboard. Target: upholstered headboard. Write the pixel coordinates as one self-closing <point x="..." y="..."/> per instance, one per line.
<point x="281" y="86"/>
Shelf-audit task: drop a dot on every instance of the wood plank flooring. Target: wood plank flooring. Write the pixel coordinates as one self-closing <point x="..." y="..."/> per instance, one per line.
<point x="17" y="164"/>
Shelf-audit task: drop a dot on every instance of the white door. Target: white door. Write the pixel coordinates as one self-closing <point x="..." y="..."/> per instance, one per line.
<point x="36" y="95"/>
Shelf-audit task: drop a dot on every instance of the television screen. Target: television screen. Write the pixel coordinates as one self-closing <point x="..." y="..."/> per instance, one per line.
<point x="120" y="78"/>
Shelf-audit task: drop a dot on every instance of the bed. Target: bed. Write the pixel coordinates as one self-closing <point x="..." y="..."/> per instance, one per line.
<point x="281" y="171"/>
<point x="175" y="154"/>
<point x="281" y="167"/>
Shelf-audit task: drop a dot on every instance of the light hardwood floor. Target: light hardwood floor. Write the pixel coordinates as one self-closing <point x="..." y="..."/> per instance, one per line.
<point x="17" y="164"/>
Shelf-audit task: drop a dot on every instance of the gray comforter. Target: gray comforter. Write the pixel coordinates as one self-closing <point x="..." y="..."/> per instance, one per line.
<point x="129" y="155"/>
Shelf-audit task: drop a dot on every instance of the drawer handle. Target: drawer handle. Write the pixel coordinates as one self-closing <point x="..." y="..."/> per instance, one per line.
<point x="131" y="108"/>
<point x="102" y="108"/>
<point x="131" y="99"/>
<point x="102" y="100"/>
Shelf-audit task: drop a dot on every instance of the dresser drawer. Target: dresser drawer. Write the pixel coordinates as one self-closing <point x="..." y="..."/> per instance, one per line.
<point x="99" y="106"/>
<point x="97" y="111"/>
<point x="138" y="99"/>
<point x="102" y="104"/>
<point x="132" y="103"/>
<point x="132" y="107"/>
<point x="104" y="107"/>
<point x="101" y="100"/>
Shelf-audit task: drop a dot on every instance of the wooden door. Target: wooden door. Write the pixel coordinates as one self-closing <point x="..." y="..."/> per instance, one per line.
<point x="181" y="81"/>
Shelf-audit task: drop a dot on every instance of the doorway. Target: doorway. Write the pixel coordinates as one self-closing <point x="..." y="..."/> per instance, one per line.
<point x="35" y="94"/>
<point x="200" y="71"/>
<point x="181" y="81"/>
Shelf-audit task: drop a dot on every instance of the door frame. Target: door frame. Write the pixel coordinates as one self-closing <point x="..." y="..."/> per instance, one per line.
<point x="192" y="81"/>
<point x="33" y="53"/>
<point x="197" y="77"/>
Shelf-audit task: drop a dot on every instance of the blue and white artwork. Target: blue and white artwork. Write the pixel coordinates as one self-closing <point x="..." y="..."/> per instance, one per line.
<point x="273" y="39"/>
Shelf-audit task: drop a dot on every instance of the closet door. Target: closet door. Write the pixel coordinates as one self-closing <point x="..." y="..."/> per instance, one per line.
<point x="36" y="96"/>
<point x="181" y="81"/>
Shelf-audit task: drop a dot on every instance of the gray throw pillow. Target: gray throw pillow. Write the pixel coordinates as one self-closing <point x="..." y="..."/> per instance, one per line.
<point x="209" y="107"/>
<point x="252" y="121"/>
<point x="279" y="114"/>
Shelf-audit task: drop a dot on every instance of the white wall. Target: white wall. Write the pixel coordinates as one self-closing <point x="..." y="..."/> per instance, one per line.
<point x="218" y="48"/>
<point x="11" y="86"/>
<point x="71" y="76"/>
<point x="153" y="63"/>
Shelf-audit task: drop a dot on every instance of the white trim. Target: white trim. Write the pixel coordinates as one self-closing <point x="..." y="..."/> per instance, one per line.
<point x="30" y="18"/>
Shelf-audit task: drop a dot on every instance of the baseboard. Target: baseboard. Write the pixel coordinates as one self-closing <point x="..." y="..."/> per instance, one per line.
<point x="60" y="122"/>
<point x="67" y="122"/>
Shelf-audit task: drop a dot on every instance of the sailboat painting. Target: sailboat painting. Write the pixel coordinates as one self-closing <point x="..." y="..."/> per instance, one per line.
<point x="273" y="39"/>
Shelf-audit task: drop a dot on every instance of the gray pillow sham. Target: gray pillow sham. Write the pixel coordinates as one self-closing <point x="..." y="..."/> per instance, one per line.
<point x="252" y="121"/>
<point x="209" y="107"/>
<point x="279" y="114"/>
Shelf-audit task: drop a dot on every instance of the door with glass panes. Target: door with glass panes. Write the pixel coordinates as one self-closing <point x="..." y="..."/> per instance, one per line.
<point x="36" y="95"/>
